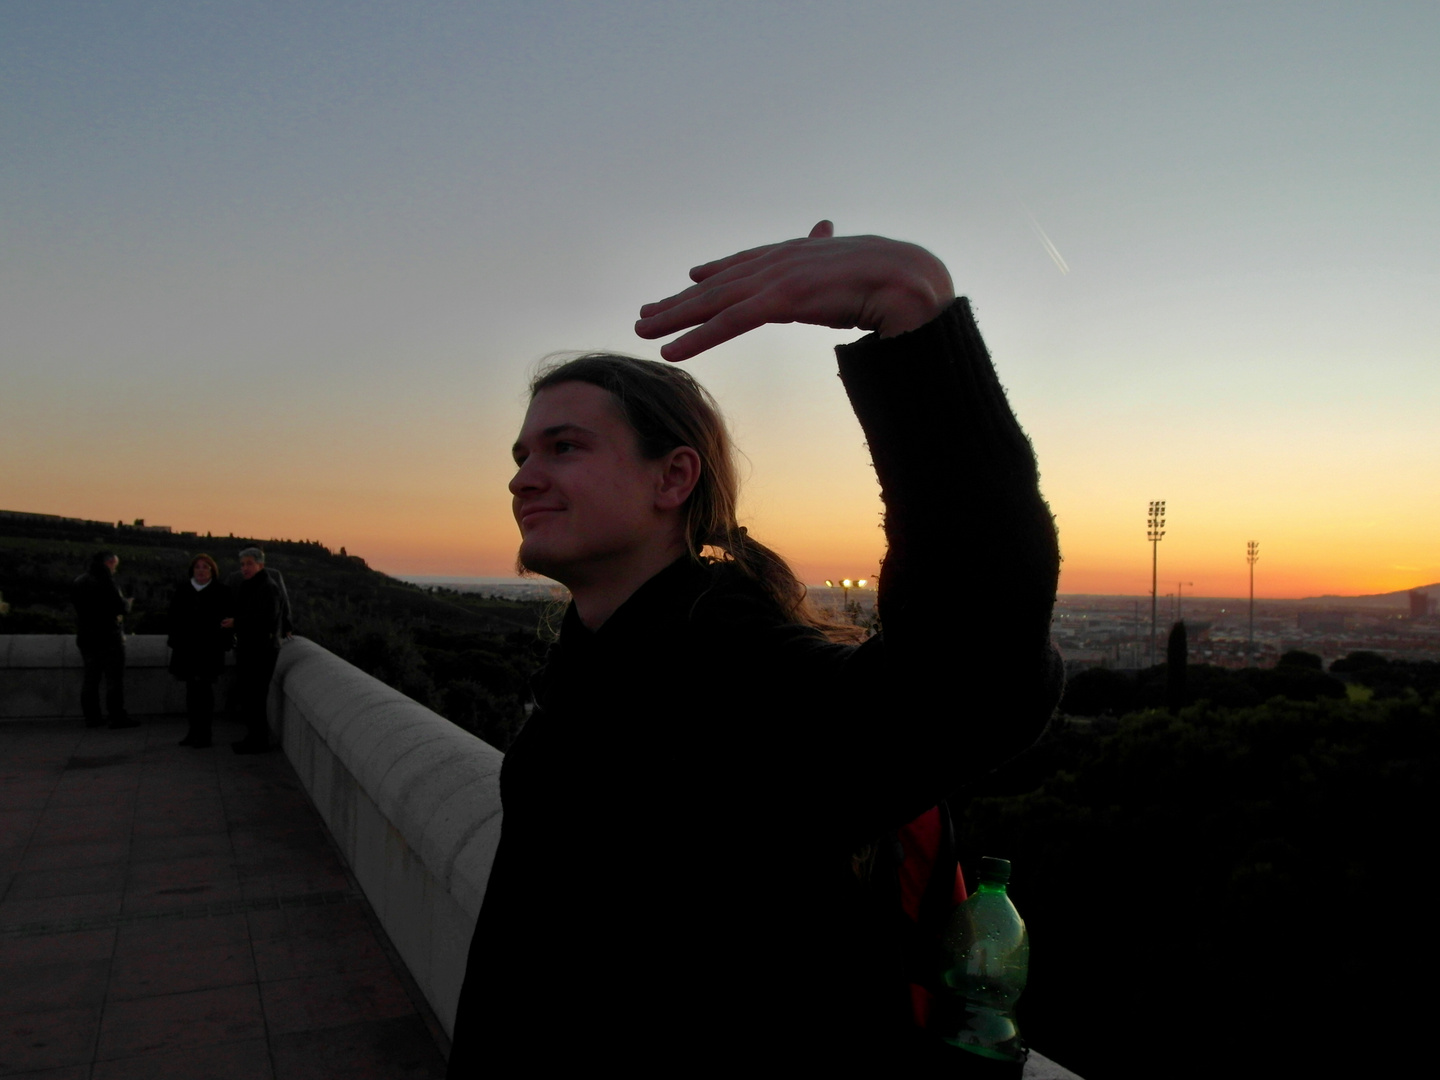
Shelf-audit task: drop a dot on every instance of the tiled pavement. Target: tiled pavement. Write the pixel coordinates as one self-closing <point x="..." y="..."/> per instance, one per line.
<point x="167" y="912"/>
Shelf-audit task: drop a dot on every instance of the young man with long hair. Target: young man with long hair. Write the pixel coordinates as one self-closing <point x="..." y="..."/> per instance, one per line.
<point x="676" y="889"/>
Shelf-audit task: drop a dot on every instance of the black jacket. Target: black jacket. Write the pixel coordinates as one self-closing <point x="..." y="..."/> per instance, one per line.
<point x="197" y="640"/>
<point x="262" y="610"/>
<point x="674" y="888"/>
<point x="99" y="609"/>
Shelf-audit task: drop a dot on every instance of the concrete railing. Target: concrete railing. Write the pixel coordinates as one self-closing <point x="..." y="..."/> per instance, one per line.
<point x="412" y="800"/>
<point x="40" y="676"/>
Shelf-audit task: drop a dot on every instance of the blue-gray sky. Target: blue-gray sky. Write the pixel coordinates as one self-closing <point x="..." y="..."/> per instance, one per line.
<point x="282" y="268"/>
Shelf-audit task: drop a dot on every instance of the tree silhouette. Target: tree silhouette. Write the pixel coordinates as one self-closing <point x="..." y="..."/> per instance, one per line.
<point x="1177" y="660"/>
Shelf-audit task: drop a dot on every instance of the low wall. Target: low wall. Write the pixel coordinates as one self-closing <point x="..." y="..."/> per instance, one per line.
<point x="40" y="676"/>
<point x="412" y="800"/>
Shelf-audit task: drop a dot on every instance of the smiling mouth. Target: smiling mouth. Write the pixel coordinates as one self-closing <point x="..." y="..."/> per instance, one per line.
<point x="532" y="513"/>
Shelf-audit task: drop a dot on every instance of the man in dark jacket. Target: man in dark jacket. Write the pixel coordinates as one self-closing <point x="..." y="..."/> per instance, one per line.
<point x="262" y="624"/>
<point x="100" y="611"/>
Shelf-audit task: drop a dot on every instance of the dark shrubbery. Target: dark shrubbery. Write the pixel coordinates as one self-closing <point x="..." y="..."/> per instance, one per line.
<point x="1390" y="678"/>
<point x="1222" y="890"/>
<point x="1100" y="692"/>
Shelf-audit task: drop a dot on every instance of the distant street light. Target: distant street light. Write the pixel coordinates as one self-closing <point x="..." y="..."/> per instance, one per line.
<point x="1252" y="556"/>
<point x="1155" y="529"/>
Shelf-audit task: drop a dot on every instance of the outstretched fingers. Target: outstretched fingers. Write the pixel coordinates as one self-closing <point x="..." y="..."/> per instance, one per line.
<point x="729" y="323"/>
<point x="866" y="282"/>
<point x="718" y="311"/>
<point x="823" y="230"/>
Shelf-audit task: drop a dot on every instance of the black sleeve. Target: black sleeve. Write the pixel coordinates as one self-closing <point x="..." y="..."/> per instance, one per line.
<point x="966" y="588"/>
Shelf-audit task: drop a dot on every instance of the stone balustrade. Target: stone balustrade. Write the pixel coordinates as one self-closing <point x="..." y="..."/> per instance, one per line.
<point x="40" y="675"/>
<point x="412" y="800"/>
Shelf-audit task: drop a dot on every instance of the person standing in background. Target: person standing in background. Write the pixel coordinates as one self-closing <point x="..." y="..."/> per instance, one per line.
<point x="198" y="641"/>
<point x="262" y="624"/>
<point x="100" y="611"/>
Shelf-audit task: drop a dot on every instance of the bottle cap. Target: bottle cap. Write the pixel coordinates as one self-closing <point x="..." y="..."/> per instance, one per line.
<point x="995" y="871"/>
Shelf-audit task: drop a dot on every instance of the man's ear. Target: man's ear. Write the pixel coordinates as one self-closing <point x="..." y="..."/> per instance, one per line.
<point x="679" y="473"/>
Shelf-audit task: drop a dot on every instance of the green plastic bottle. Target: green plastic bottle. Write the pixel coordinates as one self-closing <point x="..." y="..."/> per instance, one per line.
<point x="985" y="959"/>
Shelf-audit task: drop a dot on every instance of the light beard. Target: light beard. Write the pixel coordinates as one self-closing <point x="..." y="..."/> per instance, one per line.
<point x="522" y="570"/>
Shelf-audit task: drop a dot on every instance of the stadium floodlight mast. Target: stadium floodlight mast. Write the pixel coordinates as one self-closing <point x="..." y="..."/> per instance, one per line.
<point x="1155" y="529"/>
<point x="1252" y="556"/>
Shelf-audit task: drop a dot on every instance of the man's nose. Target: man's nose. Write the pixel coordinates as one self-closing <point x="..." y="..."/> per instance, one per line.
<point x="527" y="477"/>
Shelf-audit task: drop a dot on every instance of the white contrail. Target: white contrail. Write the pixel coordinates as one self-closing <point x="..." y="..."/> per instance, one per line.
<point x="1050" y="248"/>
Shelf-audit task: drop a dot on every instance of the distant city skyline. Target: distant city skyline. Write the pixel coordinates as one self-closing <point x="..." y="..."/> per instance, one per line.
<point x="214" y="541"/>
<point x="284" y="269"/>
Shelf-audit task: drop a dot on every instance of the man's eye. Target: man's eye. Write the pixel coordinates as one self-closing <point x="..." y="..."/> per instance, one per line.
<point x="563" y="447"/>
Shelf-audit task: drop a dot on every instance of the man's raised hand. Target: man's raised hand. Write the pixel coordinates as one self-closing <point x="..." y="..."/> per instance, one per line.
<point x="861" y="282"/>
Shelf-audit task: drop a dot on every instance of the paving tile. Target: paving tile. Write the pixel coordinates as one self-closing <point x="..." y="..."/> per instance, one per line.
<point x="267" y="924"/>
<point x="178" y="898"/>
<point x="58" y="856"/>
<point x="180" y="871"/>
<point x="326" y="1001"/>
<point x="56" y="948"/>
<point x="145" y="849"/>
<point x="17" y="827"/>
<point x="156" y="935"/>
<point x="49" y="1039"/>
<point x="80" y="824"/>
<point x="102" y="798"/>
<point x="175" y="972"/>
<point x="67" y="881"/>
<point x="65" y="984"/>
<point x="195" y="816"/>
<point x="305" y="883"/>
<point x="80" y="785"/>
<point x="166" y="956"/>
<point x="59" y="909"/>
<point x="68" y="1072"/>
<point x="279" y="843"/>
<point x="159" y="886"/>
<point x="248" y="1060"/>
<point x="168" y="800"/>
<point x="397" y="1049"/>
<point x="178" y="1021"/>
<point x="319" y="941"/>
<point x="180" y="770"/>
<point x="23" y="792"/>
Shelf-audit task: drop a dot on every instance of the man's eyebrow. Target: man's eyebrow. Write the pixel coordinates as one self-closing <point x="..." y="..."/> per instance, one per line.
<point x="551" y="432"/>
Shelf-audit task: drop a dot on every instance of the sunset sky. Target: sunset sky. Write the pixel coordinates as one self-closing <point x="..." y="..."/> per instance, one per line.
<point x="282" y="269"/>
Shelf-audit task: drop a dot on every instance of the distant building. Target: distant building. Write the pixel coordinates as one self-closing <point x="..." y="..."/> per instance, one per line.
<point x="1322" y="622"/>
<point x="140" y="526"/>
<point x="1420" y="604"/>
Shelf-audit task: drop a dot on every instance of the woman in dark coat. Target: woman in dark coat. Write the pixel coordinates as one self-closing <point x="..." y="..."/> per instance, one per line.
<point x="198" y="643"/>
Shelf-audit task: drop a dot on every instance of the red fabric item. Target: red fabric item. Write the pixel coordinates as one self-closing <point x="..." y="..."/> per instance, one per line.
<point x="919" y="839"/>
